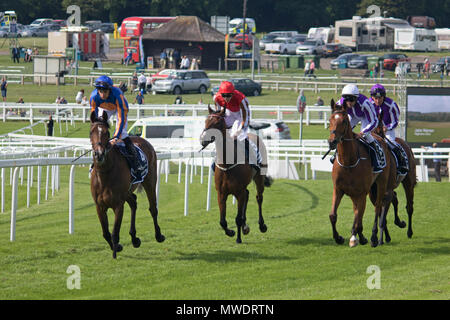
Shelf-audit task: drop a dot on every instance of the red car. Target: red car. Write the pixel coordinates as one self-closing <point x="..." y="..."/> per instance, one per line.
<point x="248" y="42"/>
<point x="391" y="60"/>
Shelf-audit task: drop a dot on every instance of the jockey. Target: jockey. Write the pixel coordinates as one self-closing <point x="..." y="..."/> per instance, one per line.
<point x="237" y="113"/>
<point x="391" y="115"/>
<point x="110" y="99"/>
<point x="360" y="109"/>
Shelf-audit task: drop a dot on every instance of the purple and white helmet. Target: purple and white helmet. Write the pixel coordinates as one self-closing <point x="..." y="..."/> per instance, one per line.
<point x="378" y="91"/>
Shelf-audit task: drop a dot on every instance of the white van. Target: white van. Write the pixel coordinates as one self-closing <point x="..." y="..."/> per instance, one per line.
<point x="168" y="127"/>
<point x="415" y="39"/>
<point x="236" y="25"/>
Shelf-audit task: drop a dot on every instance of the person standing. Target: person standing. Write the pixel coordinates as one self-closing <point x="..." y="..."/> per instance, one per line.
<point x="79" y="97"/>
<point x="50" y="126"/>
<point x="4" y="86"/>
<point x="134" y="81"/>
<point x="437" y="164"/>
<point x="140" y="100"/>
<point x="163" y="59"/>
<point x="306" y="69"/>
<point x="312" y="67"/>
<point x="16" y="54"/>
<point x="427" y="67"/>
<point x="142" y="82"/>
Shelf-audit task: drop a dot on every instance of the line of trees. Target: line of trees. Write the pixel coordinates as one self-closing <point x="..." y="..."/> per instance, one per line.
<point x="270" y="15"/>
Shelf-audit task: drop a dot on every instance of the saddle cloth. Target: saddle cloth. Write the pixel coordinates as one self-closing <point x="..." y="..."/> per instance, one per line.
<point x="380" y="158"/>
<point x="141" y="171"/>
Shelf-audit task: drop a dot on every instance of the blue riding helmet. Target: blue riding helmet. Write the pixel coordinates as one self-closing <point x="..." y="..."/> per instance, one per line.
<point x="103" y="82"/>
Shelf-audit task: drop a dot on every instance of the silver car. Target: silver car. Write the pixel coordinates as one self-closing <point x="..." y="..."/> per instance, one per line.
<point x="180" y="81"/>
<point x="311" y="46"/>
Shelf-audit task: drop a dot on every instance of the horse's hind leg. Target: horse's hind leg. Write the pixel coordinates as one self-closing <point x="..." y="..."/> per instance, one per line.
<point x="245" y="227"/>
<point x="133" y="206"/>
<point x="399" y="223"/>
<point x="259" y="181"/>
<point x="240" y="217"/>
<point x="103" y="217"/>
<point x="150" y="190"/>
<point x="408" y="185"/>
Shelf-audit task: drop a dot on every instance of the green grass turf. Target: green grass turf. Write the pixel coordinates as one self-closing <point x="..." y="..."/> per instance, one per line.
<point x="296" y="259"/>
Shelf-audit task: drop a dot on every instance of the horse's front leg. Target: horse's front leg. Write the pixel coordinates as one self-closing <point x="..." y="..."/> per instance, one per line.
<point x="222" y="200"/>
<point x="359" y="206"/>
<point x="337" y="197"/>
<point x="103" y="217"/>
<point x="118" y="215"/>
<point x="382" y="224"/>
<point x="399" y="223"/>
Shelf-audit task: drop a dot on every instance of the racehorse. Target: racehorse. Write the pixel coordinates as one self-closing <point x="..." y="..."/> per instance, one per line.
<point x="409" y="181"/>
<point x="233" y="179"/>
<point x="352" y="175"/>
<point x="110" y="183"/>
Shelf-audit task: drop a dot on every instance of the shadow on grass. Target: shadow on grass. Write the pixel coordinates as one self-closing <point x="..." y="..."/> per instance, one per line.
<point x="314" y="202"/>
<point x="224" y="256"/>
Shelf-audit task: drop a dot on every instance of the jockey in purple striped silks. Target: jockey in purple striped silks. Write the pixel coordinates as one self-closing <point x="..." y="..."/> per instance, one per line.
<point x="391" y="115"/>
<point x="360" y="109"/>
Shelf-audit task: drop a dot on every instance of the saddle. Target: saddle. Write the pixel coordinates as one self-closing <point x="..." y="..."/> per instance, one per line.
<point x="378" y="158"/>
<point x="138" y="174"/>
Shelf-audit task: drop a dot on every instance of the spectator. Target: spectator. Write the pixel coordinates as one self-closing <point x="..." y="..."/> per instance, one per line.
<point x="176" y="57"/>
<point x="142" y="81"/>
<point x="185" y="63"/>
<point x="79" y="97"/>
<point x="63" y="101"/>
<point x="398" y="71"/>
<point x="84" y="102"/>
<point x="307" y="68"/>
<point x="128" y="58"/>
<point x="436" y="163"/>
<point x="320" y="103"/>
<point x="149" y="83"/>
<point x="376" y="70"/>
<point x="178" y="100"/>
<point x="140" y="101"/>
<point x="163" y="59"/>
<point x="134" y="81"/>
<point x="20" y="100"/>
<point x="427" y="67"/>
<point x="29" y="53"/>
<point x="50" y="126"/>
<point x="312" y="67"/>
<point x="58" y="100"/>
<point x="194" y="64"/>
<point x="4" y="86"/>
<point x="447" y="66"/>
<point x="16" y="54"/>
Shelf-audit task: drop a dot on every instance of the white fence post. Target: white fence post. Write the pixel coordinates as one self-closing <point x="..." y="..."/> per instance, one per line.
<point x="71" y="200"/>
<point x="12" y="236"/>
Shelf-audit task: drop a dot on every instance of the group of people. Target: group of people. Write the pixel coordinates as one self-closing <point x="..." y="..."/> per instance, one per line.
<point x="310" y="66"/>
<point x="28" y="54"/>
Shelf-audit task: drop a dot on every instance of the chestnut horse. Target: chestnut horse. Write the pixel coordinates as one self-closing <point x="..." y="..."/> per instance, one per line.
<point x="409" y="181"/>
<point x="352" y="175"/>
<point x="232" y="179"/>
<point x="110" y="183"/>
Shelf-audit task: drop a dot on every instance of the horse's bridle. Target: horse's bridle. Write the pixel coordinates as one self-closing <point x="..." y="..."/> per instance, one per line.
<point x="106" y="147"/>
<point x="214" y="115"/>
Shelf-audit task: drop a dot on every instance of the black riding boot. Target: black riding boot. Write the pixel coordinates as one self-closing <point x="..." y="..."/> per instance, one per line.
<point x="133" y="154"/>
<point x="403" y="166"/>
<point x="376" y="154"/>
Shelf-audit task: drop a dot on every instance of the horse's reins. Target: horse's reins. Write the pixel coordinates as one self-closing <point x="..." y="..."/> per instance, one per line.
<point x="97" y="144"/>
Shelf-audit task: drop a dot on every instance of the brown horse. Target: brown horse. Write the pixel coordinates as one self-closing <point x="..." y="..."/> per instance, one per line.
<point x="409" y="181"/>
<point x="232" y="178"/>
<point x="110" y="183"/>
<point x="352" y="175"/>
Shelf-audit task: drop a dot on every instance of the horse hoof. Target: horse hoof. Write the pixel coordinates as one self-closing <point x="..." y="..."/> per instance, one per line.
<point x="400" y="224"/>
<point x="160" y="238"/>
<point x="246" y="229"/>
<point x="380" y="243"/>
<point x="363" y="241"/>
<point x="353" y="242"/>
<point x="388" y="239"/>
<point x="339" y="240"/>
<point x="238" y="240"/>
<point x="410" y="233"/>
<point x="230" y="233"/>
<point x="136" y="242"/>
<point x="263" y="228"/>
<point x="374" y="244"/>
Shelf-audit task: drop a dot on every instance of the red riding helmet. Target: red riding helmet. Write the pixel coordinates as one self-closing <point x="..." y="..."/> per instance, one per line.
<point x="226" y="87"/>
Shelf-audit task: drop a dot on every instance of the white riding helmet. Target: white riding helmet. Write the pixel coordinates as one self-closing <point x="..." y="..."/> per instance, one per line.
<point x="350" y="90"/>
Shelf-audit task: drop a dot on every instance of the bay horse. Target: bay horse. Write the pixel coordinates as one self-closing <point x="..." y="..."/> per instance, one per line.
<point x="409" y="181"/>
<point x="232" y="178"/>
<point x="352" y="175"/>
<point x="110" y="183"/>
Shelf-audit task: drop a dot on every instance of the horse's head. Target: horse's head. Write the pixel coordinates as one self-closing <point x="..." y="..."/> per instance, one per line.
<point x="99" y="136"/>
<point x="214" y="126"/>
<point x="339" y="125"/>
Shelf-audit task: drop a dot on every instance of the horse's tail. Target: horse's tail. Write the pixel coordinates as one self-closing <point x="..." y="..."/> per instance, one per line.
<point x="268" y="181"/>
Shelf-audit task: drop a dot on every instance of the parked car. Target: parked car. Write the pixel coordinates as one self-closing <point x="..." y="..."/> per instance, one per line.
<point x="60" y="23"/>
<point x="311" y="46"/>
<point x="163" y="74"/>
<point x="391" y="60"/>
<point x="244" y="85"/>
<point x="106" y="27"/>
<point x="40" y="31"/>
<point x="282" y="45"/>
<point x="335" y="49"/>
<point x="248" y="42"/>
<point x="4" y="31"/>
<point x="359" y="62"/>
<point x="93" y="24"/>
<point x="181" y="81"/>
<point x="342" y="60"/>
<point x="40" y="22"/>
<point x="300" y="38"/>
<point x="270" y="129"/>
<point x="439" y="65"/>
<point x="268" y="38"/>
